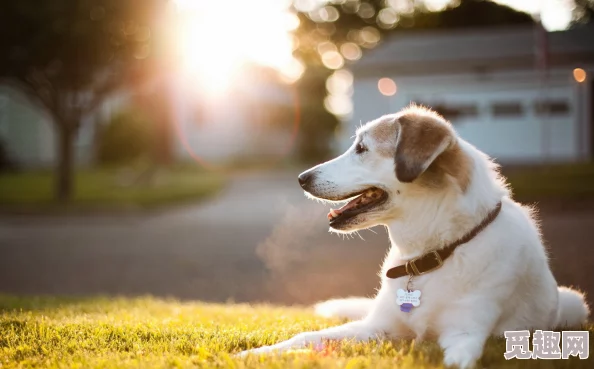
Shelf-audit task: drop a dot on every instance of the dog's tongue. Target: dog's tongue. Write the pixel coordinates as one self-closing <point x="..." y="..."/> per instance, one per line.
<point x="336" y="212"/>
<point x="361" y="200"/>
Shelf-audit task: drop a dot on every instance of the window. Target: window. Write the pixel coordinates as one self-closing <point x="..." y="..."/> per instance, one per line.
<point x="551" y="107"/>
<point x="507" y="109"/>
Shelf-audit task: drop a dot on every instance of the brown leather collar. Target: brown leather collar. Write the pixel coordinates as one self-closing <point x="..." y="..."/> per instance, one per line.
<point x="434" y="259"/>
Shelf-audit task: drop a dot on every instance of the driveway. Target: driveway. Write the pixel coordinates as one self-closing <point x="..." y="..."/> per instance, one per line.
<point x="260" y="240"/>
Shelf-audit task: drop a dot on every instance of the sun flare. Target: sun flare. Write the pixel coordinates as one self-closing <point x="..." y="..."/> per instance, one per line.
<point x="217" y="38"/>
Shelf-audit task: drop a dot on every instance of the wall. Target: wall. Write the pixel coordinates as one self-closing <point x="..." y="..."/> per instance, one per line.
<point x="24" y="130"/>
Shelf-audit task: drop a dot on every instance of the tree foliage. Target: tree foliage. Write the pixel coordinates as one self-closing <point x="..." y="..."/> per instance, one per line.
<point x="69" y="55"/>
<point x="364" y="22"/>
<point x="583" y="11"/>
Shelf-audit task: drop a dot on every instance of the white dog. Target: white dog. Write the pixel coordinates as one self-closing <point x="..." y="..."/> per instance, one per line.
<point x="435" y="193"/>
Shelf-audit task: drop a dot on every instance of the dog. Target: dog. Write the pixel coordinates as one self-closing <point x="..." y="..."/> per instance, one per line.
<point x="432" y="190"/>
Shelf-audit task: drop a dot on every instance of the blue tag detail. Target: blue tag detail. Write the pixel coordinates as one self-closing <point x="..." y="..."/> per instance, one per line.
<point x="406" y="307"/>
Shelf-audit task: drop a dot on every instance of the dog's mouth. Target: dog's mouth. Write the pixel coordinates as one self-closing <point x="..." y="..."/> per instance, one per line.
<point x="364" y="201"/>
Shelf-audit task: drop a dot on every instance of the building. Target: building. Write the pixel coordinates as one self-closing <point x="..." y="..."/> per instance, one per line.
<point x="519" y="94"/>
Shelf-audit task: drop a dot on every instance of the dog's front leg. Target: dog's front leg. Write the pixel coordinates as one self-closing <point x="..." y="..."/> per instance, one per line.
<point x="361" y="330"/>
<point x="464" y="334"/>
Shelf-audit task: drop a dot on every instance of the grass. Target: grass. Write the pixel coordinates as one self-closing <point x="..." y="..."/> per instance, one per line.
<point x="151" y="333"/>
<point x="109" y="189"/>
<point x="564" y="181"/>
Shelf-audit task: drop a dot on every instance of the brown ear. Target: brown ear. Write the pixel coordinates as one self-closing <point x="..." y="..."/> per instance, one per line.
<point x="421" y="139"/>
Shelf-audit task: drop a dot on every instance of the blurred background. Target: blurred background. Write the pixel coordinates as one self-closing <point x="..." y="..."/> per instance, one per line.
<point x="151" y="147"/>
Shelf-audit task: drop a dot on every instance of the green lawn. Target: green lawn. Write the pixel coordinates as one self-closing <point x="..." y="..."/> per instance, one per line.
<point x="565" y="181"/>
<point x="149" y="333"/>
<point x="109" y="189"/>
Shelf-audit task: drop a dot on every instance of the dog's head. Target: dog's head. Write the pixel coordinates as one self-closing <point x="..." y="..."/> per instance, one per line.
<point x="398" y="157"/>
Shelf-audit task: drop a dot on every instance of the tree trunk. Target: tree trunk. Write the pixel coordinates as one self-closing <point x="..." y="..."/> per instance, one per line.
<point x="163" y="146"/>
<point x="163" y="121"/>
<point x="64" y="175"/>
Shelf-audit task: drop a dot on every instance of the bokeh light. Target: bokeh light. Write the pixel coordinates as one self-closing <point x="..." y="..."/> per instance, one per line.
<point x="330" y="14"/>
<point x="369" y="36"/>
<point x="437" y="5"/>
<point x="325" y="47"/>
<point x="293" y="72"/>
<point x="351" y="51"/>
<point x="340" y="90"/>
<point x="332" y="60"/>
<point x="387" y="86"/>
<point x="351" y="6"/>
<point x="579" y="75"/>
<point x="340" y="83"/>
<point x="387" y="18"/>
<point x="338" y="105"/>
<point x="366" y="11"/>
<point x="401" y="6"/>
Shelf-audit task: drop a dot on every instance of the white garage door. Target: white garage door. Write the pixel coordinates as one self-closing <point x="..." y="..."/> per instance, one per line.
<point x="520" y="125"/>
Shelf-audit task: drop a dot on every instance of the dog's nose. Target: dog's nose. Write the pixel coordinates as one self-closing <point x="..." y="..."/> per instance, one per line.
<point x="305" y="179"/>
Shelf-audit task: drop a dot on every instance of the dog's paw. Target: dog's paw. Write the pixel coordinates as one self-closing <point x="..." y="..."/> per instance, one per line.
<point x="458" y="357"/>
<point x="242" y="354"/>
<point x="255" y="351"/>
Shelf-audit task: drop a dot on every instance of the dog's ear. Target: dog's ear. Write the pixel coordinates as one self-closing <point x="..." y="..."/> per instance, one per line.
<point x="421" y="139"/>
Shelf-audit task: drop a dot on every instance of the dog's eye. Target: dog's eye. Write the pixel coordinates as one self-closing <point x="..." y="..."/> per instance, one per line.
<point x="359" y="149"/>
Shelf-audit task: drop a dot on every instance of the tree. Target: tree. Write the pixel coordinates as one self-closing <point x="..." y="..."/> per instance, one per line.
<point x="67" y="56"/>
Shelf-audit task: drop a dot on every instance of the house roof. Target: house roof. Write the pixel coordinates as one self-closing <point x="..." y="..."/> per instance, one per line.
<point x="442" y="51"/>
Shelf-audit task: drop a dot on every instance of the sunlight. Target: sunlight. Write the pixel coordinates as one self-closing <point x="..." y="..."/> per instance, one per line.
<point x="217" y="38"/>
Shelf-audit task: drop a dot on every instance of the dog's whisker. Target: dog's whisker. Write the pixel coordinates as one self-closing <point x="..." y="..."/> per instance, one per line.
<point x="358" y="234"/>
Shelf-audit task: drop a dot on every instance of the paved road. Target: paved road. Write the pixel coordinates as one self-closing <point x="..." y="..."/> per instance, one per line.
<point x="260" y="240"/>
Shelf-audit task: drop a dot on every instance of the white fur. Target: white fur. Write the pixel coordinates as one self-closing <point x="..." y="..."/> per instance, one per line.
<point x="498" y="281"/>
<point x="350" y="308"/>
<point x="572" y="311"/>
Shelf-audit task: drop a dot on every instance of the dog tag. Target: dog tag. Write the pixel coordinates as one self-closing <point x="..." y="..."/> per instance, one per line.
<point x="408" y="299"/>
